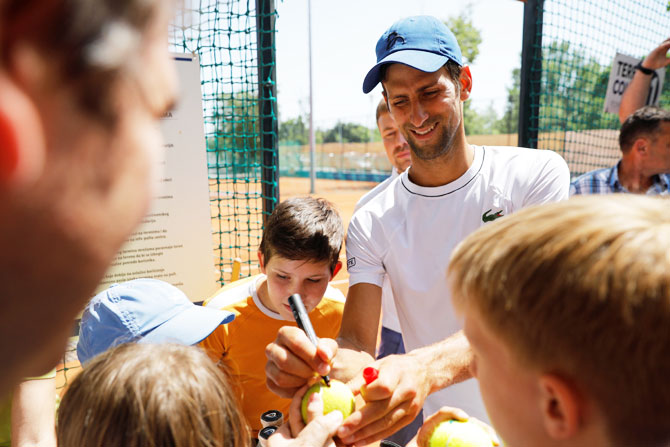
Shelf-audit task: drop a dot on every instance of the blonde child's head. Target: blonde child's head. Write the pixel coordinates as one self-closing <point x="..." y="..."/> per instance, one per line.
<point x="567" y="309"/>
<point x="137" y="395"/>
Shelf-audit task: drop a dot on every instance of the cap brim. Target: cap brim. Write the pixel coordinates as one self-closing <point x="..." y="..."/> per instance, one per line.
<point x="189" y="327"/>
<point x="420" y="60"/>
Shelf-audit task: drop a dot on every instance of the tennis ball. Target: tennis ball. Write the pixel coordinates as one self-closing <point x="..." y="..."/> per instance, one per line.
<point x="453" y="433"/>
<point x="337" y="396"/>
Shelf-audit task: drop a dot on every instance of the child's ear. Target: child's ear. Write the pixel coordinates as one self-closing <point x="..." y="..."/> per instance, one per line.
<point x="561" y="407"/>
<point x="261" y="261"/>
<point x="337" y="269"/>
<point x="22" y="146"/>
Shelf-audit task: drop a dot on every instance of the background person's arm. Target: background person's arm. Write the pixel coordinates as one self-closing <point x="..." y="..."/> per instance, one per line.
<point x="635" y="95"/>
<point x="34" y="413"/>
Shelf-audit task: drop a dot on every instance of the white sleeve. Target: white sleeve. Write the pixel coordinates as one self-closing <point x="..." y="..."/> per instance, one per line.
<point x="550" y="181"/>
<point x="364" y="254"/>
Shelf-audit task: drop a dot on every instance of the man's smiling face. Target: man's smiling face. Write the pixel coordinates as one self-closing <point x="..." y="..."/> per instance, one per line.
<point x="426" y="107"/>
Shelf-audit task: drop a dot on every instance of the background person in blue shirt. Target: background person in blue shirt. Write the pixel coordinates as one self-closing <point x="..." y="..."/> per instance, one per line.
<point x="644" y="167"/>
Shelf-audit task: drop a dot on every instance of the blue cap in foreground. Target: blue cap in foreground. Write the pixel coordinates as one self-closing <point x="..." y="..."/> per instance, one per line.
<point x="422" y="42"/>
<point x="144" y="311"/>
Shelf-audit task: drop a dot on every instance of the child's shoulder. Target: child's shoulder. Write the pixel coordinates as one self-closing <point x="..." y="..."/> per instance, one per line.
<point x="332" y="301"/>
<point x="334" y="294"/>
<point x="232" y="293"/>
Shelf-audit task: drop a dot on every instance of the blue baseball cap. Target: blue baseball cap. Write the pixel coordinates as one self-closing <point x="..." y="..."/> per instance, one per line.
<point x="144" y="311"/>
<point x="422" y="42"/>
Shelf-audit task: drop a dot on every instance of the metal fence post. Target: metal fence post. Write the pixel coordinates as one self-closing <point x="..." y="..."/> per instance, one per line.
<point x="267" y="104"/>
<point x="531" y="73"/>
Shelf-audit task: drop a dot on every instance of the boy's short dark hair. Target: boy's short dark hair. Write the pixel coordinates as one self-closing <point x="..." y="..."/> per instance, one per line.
<point x="643" y="122"/>
<point x="304" y="228"/>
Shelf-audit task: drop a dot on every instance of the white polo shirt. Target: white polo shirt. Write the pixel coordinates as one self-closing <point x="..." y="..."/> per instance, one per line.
<point x="389" y="314"/>
<point x="409" y="231"/>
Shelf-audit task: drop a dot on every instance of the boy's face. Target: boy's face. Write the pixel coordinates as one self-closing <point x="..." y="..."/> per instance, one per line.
<point x="510" y="391"/>
<point x="286" y="277"/>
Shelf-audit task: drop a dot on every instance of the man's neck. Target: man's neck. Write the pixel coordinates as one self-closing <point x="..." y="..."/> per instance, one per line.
<point x="445" y="169"/>
<point x="633" y="178"/>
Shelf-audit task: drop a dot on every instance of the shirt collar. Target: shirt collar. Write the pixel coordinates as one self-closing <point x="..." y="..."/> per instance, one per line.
<point x="614" y="183"/>
<point x="613" y="179"/>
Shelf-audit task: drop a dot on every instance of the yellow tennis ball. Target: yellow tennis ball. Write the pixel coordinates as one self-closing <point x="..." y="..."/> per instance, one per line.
<point x="453" y="433"/>
<point x="337" y="396"/>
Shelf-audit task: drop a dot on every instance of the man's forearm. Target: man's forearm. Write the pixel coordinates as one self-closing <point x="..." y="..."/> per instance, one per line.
<point x="447" y="362"/>
<point x="635" y="95"/>
<point x="358" y="334"/>
<point x="350" y="359"/>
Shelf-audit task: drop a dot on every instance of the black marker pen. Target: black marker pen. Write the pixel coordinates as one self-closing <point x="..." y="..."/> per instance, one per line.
<point x="301" y="317"/>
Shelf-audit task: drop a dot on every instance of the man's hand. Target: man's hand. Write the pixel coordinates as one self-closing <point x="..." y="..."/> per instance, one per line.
<point x="430" y="424"/>
<point x="293" y="360"/>
<point x="635" y="94"/>
<point x="395" y="398"/>
<point x="422" y="438"/>
<point x="318" y="433"/>
<point x="657" y="58"/>
<point x="392" y="401"/>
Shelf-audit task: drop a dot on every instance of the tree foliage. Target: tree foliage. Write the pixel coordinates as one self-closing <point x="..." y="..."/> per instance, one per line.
<point x="294" y="131"/>
<point x="469" y="38"/>
<point x="509" y="122"/>
<point x="235" y="146"/>
<point x="347" y="132"/>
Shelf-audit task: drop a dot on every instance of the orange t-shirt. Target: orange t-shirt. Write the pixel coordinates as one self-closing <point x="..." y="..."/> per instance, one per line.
<point x="240" y="345"/>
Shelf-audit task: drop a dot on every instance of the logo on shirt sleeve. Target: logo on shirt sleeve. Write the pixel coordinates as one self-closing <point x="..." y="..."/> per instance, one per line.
<point x="351" y="262"/>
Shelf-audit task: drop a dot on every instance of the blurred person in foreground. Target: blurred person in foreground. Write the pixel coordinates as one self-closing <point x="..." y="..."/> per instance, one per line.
<point x="567" y="309"/>
<point x="168" y="395"/>
<point x="161" y="395"/>
<point x="82" y="86"/>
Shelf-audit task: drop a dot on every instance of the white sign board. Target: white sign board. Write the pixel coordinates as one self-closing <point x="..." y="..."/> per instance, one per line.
<point x="174" y="242"/>
<point x="623" y="69"/>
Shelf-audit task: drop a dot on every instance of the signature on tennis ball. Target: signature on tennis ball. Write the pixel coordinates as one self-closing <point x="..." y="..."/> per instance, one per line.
<point x="453" y="433"/>
<point x="337" y="396"/>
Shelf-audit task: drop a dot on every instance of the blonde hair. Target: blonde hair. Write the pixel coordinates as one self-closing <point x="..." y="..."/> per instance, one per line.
<point x="148" y="395"/>
<point x="582" y="288"/>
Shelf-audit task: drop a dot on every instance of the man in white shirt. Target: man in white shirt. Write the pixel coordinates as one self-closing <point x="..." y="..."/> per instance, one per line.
<point x="398" y="153"/>
<point x="390" y="337"/>
<point x="408" y="232"/>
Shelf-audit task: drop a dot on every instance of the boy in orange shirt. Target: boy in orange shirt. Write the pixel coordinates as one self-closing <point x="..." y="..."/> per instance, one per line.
<point x="299" y="253"/>
<point x="567" y="311"/>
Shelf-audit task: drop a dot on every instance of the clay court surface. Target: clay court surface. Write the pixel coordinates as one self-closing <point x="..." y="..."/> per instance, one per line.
<point x="344" y="194"/>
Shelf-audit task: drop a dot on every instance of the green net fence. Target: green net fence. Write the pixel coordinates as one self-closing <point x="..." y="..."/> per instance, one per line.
<point x="234" y="40"/>
<point x="227" y="38"/>
<point x="575" y="45"/>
